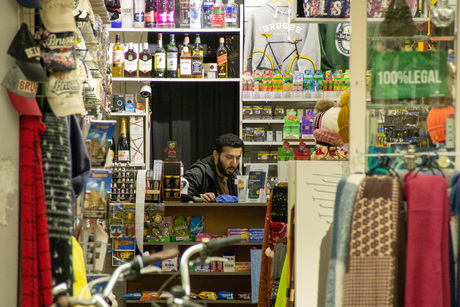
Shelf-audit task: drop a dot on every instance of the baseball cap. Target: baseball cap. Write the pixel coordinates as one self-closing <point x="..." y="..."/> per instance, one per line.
<point x="59" y="51"/>
<point x="64" y="93"/>
<point x="57" y="15"/>
<point x="30" y="4"/>
<point x="21" y="92"/>
<point x="27" y="53"/>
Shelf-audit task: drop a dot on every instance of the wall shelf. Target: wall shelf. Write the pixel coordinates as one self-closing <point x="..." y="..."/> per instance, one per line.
<point x="215" y="204"/>
<point x="307" y="142"/>
<point x="206" y="273"/>
<point x="193" y="243"/>
<point x="127" y="114"/>
<point x="198" y="301"/>
<point x="175" y="30"/>
<point x="263" y="121"/>
<point x="176" y="80"/>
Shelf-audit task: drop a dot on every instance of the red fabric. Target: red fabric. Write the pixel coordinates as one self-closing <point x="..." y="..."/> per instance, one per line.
<point x="36" y="278"/>
<point x="427" y="260"/>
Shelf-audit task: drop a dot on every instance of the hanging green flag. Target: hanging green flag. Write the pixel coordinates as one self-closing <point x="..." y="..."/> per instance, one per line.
<point x="399" y="74"/>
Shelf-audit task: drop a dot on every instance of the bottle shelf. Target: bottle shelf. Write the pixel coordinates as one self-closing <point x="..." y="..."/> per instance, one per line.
<point x="175" y="30"/>
<point x="208" y="273"/>
<point x="215" y="204"/>
<point x="262" y="163"/>
<point x="176" y="79"/>
<point x="280" y="99"/>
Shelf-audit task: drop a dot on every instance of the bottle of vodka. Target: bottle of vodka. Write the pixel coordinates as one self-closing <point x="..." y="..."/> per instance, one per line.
<point x="231" y="14"/>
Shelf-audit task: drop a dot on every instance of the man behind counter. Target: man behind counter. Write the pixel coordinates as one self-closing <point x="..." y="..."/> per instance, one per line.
<point x="216" y="174"/>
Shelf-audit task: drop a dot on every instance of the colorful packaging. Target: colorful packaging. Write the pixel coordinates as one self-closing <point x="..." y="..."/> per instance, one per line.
<point x="196" y="224"/>
<point x="223" y="295"/>
<point x="256" y="234"/>
<point x="180" y="226"/>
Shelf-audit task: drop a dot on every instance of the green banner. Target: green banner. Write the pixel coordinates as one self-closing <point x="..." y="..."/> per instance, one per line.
<point x="400" y="74"/>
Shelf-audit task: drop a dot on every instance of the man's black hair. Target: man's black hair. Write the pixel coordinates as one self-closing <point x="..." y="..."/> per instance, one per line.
<point x="228" y="139"/>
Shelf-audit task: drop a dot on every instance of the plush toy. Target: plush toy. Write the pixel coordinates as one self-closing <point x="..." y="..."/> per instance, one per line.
<point x="343" y="118"/>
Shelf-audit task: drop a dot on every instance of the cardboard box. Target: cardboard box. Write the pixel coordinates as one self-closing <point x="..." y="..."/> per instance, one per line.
<point x="118" y="103"/>
<point x="229" y="265"/>
<point x="136" y="129"/>
<point x="232" y="43"/>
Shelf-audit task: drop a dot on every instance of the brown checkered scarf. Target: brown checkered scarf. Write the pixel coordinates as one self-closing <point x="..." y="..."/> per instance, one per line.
<point x="374" y="267"/>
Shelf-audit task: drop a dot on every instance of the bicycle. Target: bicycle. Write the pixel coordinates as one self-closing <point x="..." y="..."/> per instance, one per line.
<point x="279" y="65"/>
<point x="127" y="271"/>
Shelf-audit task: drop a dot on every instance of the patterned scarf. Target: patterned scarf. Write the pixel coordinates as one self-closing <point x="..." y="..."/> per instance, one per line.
<point x="374" y="274"/>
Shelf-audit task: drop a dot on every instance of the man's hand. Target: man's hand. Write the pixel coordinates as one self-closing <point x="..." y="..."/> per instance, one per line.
<point x="208" y="197"/>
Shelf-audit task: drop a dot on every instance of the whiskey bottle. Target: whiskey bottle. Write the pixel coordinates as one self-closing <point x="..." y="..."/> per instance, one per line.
<point x="160" y="58"/>
<point x="145" y="62"/>
<point x="221" y="59"/>
<point x="197" y="59"/>
<point x="123" y="143"/>
<point x="186" y="59"/>
<point x="130" y="62"/>
<point x="171" y="56"/>
<point x="117" y="58"/>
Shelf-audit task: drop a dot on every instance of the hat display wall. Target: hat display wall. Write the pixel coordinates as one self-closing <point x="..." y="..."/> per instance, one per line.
<point x="343" y="118"/>
<point x="64" y="93"/>
<point x="22" y="92"/>
<point x="436" y="123"/>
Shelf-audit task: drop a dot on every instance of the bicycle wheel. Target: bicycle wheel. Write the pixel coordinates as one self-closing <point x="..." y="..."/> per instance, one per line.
<point x="301" y="63"/>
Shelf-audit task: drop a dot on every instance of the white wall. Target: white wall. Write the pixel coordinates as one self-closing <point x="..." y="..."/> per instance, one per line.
<point x="9" y="138"/>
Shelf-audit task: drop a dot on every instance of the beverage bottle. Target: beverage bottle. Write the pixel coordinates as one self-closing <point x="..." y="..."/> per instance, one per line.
<point x="130" y="62"/>
<point x="150" y="13"/>
<point x="195" y="14"/>
<point x="197" y="59"/>
<point x="117" y="58"/>
<point x="139" y="13"/>
<point x="123" y="143"/>
<point x="126" y="7"/>
<point x="206" y="12"/>
<point x="162" y="13"/>
<point x="221" y="59"/>
<point x="160" y="58"/>
<point x="145" y="62"/>
<point x="186" y="59"/>
<point x="231" y="14"/>
<point x="171" y="57"/>
<point x="218" y="18"/>
<point x="171" y="7"/>
<point x="184" y="13"/>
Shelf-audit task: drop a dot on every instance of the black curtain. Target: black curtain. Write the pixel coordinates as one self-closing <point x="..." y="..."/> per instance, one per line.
<point x="193" y="114"/>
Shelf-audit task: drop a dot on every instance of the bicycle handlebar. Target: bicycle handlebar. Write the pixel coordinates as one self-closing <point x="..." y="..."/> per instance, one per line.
<point x="222" y="242"/>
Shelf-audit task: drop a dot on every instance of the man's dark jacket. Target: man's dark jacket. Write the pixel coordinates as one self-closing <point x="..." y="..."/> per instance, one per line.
<point x="202" y="178"/>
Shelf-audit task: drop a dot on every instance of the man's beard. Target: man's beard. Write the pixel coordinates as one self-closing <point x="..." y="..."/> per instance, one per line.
<point x="221" y="168"/>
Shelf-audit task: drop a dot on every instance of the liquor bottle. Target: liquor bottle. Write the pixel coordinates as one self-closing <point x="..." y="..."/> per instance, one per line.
<point x="165" y="14"/>
<point x="195" y="14"/>
<point x="171" y="7"/>
<point x="160" y="58"/>
<point x="172" y="55"/>
<point x="150" y="13"/>
<point x="117" y="58"/>
<point x="186" y="59"/>
<point x="145" y="62"/>
<point x="184" y="14"/>
<point x="221" y="59"/>
<point x="130" y="62"/>
<point x="197" y="59"/>
<point x="139" y="13"/>
<point x="218" y="15"/>
<point x="206" y="12"/>
<point x="126" y="7"/>
<point x="231" y="14"/>
<point x="123" y="143"/>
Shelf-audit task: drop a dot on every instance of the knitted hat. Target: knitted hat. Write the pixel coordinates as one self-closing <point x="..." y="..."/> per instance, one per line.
<point x="329" y="120"/>
<point x="436" y="123"/>
<point x="343" y="118"/>
<point x="327" y="137"/>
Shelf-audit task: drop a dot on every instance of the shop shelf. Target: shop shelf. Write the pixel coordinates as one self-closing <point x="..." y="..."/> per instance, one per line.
<point x="249" y="164"/>
<point x="291" y="142"/>
<point x="207" y="273"/>
<point x="215" y="204"/>
<point x="127" y="114"/>
<point x="176" y="79"/>
<point x="174" y="30"/>
<point x="263" y="121"/>
<point x="280" y="99"/>
<point x="193" y="243"/>
<point x="198" y="301"/>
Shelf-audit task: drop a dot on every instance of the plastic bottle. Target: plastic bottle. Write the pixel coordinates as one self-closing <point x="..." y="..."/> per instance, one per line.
<point x="231" y="14"/>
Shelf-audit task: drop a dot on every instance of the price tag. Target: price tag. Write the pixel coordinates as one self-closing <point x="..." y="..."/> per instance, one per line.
<point x="398" y="74"/>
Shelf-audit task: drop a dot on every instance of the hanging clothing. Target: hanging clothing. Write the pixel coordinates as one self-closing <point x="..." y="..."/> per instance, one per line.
<point x="344" y="201"/>
<point x="335" y="46"/>
<point x="454" y="199"/>
<point x="274" y="22"/>
<point x="35" y="251"/>
<point x="374" y="273"/>
<point x="58" y="195"/>
<point x="265" y="281"/>
<point x="427" y="262"/>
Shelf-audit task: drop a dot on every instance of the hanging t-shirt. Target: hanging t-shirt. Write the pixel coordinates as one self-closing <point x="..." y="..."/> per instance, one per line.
<point x="335" y="46"/>
<point x="271" y="23"/>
